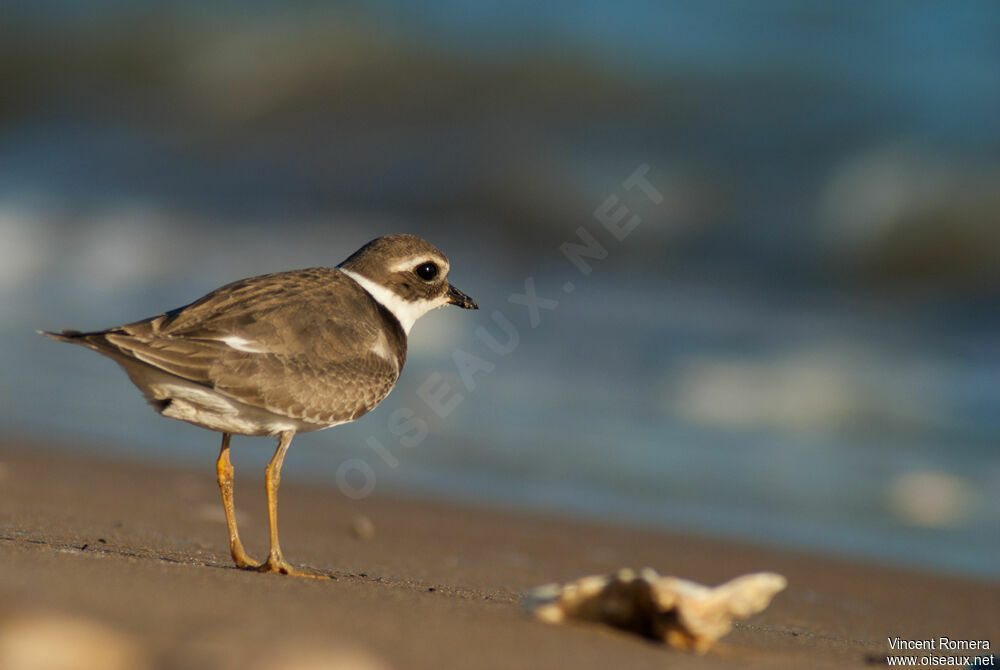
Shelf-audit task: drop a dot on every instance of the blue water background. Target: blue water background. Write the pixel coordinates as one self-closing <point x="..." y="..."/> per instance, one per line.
<point x="740" y="365"/>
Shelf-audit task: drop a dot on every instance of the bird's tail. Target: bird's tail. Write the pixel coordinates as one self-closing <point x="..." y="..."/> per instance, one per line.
<point x="96" y="340"/>
<point x="72" y="336"/>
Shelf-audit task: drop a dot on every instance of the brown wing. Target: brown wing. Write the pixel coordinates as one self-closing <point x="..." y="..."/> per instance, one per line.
<point x="297" y="343"/>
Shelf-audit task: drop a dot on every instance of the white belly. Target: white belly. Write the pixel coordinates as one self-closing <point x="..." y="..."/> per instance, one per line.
<point x="196" y="404"/>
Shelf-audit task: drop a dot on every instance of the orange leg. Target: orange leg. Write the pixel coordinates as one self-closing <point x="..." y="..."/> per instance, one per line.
<point x="276" y="562"/>
<point x="224" y="468"/>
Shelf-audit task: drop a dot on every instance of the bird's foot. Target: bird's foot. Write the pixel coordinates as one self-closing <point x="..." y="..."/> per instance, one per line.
<point x="241" y="558"/>
<point x="279" y="566"/>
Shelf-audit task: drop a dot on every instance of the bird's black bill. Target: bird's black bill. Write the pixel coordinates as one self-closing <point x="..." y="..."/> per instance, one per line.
<point x="456" y="297"/>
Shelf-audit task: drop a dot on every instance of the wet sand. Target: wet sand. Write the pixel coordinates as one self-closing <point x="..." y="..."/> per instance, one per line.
<point x="140" y="552"/>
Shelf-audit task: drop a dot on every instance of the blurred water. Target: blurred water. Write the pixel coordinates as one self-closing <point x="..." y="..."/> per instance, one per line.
<point x="800" y="346"/>
<point x="680" y="403"/>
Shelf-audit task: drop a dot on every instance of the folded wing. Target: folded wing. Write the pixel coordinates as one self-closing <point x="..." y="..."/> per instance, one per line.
<point x="288" y="342"/>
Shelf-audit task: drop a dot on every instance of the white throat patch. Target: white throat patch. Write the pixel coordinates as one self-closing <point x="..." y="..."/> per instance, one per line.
<point x="406" y="312"/>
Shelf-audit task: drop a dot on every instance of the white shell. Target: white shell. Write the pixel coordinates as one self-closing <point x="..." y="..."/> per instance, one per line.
<point x="682" y="613"/>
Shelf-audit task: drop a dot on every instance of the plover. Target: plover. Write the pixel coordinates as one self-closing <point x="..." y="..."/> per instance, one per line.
<point x="281" y="354"/>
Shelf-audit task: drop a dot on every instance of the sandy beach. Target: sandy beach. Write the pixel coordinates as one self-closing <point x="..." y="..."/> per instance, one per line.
<point x="139" y="553"/>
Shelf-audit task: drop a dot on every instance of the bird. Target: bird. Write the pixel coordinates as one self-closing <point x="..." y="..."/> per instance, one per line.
<point x="281" y="354"/>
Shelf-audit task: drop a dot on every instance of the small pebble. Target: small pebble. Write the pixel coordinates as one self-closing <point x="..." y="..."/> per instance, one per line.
<point x="363" y="527"/>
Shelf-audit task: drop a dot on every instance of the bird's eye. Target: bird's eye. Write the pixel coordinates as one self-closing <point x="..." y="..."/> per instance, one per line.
<point x="427" y="271"/>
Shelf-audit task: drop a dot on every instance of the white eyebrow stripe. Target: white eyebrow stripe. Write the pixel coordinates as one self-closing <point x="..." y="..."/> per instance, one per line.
<point x="243" y="344"/>
<point x="412" y="261"/>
